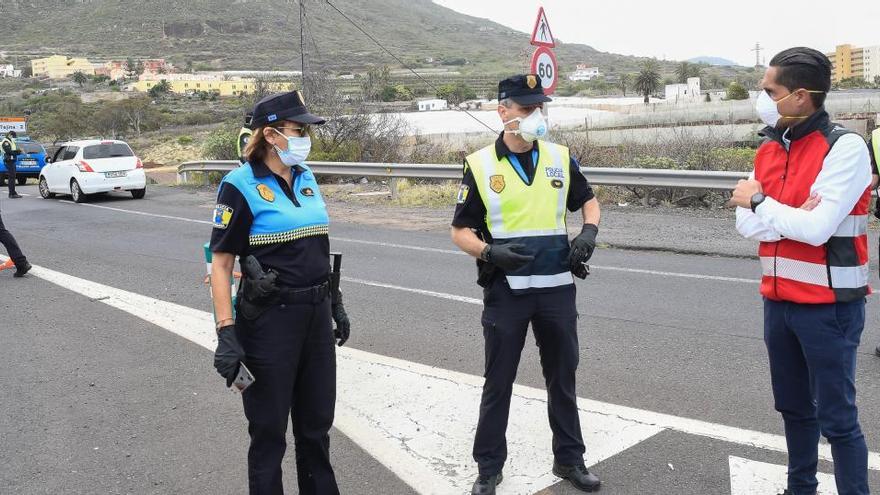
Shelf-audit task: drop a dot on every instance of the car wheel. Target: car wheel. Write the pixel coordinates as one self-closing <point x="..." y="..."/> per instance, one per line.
<point x="138" y="193"/>
<point x="21" y="180"/>
<point x="44" y="189"/>
<point x="76" y="193"/>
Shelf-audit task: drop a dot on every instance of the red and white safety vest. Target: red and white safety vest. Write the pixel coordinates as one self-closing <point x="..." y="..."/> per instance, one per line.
<point x="836" y="271"/>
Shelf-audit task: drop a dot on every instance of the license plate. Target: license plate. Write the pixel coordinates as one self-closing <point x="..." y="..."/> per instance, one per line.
<point x="29" y="163"/>
<point x="111" y="175"/>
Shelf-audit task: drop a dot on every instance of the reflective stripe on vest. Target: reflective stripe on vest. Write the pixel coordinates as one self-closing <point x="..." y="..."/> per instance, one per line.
<point x="842" y="277"/>
<point x="532" y="215"/>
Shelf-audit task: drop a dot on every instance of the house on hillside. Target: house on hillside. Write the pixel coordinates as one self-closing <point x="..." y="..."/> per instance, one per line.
<point x="431" y="105"/>
<point x="684" y="92"/>
<point x="584" y="73"/>
<point x="61" y="67"/>
<point x="9" y="71"/>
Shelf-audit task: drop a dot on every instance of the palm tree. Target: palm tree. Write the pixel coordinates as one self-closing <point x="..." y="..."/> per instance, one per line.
<point x="625" y="80"/>
<point x="648" y="80"/>
<point x="683" y="72"/>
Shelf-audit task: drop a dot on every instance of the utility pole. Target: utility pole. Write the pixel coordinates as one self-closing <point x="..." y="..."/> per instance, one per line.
<point x="302" y="42"/>
<point x="757" y="49"/>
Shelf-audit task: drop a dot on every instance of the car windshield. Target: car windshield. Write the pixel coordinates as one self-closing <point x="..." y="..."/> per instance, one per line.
<point x="32" y="148"/>
<point x="106" y="150"/>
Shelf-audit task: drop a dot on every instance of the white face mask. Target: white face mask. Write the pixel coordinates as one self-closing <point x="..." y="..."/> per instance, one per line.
<point x="531" y="128"/>
<point x="768" y="109"/>
<point x="297" y="151"/>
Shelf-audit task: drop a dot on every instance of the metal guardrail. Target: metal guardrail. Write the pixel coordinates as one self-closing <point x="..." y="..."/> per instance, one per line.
<point x="629" y="177"/>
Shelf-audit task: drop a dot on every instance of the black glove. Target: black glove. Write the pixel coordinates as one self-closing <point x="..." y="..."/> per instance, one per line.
<point x="508" y="257"/>
<point x="581" y="271"/>
<point x="229" y="353"/>
<point x="340" y="317"/>
<point x="582" y="247"/>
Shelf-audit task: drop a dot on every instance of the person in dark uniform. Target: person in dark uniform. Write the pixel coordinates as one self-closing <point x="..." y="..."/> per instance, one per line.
<point x="511" y="216"/>
<point x="271" y="214"/>
<point x="10" y="156"/>
<point x="874" y="150"/>
<point x="16" y="257"/>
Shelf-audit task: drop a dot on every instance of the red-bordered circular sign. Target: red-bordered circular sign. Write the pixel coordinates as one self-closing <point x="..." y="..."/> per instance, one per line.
<point x="545" y="66"/>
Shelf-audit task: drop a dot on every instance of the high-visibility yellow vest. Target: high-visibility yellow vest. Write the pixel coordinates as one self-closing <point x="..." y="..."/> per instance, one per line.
<point x="875" y="141"/>
<point x="12" y="145"/>
<point x="530" y="214"/>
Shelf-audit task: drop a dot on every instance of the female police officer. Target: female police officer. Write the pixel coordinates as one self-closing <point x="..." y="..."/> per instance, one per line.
<point x="270" y="213"/>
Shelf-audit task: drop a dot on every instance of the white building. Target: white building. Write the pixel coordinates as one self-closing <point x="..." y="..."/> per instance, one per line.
<point x="871" y="56"/>
<point x="9" y="71"/>
<point x="684" y="92"/>
<point x="584" y="73"/>
<point x="430" y="105"/>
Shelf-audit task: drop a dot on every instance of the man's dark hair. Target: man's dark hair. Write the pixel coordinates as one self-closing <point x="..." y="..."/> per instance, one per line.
<point x="12" y="134"/>
<point x="802" y="67"/>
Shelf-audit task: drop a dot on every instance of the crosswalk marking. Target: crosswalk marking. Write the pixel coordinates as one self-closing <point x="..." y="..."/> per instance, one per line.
<point x="751" y="477"/>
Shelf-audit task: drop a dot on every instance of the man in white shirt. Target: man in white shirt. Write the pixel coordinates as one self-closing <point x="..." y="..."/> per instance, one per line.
<point x="807" y="203"/>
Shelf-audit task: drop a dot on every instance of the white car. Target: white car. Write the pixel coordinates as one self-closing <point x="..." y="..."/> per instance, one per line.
<point x="80" y="168"/>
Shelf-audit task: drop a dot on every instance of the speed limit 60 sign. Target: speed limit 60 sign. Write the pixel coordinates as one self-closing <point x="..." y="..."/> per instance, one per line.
<point x="544" y="65"/>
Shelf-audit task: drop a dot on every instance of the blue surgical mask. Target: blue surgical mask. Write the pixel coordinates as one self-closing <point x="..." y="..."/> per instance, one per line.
<point x="297" y="151"/>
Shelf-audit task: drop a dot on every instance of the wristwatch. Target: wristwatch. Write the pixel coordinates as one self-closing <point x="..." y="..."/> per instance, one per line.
<point x="757" y="199"/>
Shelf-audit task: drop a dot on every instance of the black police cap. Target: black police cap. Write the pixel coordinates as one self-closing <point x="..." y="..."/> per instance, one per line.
<point x="285" y="106"/>
<point x="524" y="89"/>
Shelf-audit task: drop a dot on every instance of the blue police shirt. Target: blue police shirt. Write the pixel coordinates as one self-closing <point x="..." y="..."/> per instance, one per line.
<point x="285" y="228"/>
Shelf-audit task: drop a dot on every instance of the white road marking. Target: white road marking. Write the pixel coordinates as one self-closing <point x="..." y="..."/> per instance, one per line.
<point x="418" y="420"/>
<point x="441" y="295"/>
<point x="749" y="477"/>
<point x="445" y="251"/>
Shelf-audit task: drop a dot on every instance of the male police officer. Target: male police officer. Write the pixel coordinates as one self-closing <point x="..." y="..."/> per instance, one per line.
<point x="808" y="205"/>
<point x="511" y="217"/>
<point x="10" y="155"/>
<point x="874" y="150"/>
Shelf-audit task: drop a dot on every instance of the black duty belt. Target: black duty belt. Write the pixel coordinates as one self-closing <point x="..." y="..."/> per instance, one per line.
<point x="307" y="295"/>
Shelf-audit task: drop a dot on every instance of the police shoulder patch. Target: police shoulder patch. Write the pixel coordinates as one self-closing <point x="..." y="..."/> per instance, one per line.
<point x="222" y="216"/>
<point x="463" y="193"/>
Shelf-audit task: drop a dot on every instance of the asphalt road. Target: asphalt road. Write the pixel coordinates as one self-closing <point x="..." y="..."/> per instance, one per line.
<point x="98" y="401"/>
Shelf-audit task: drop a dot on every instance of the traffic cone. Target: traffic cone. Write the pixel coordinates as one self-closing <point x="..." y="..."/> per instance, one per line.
<point x="7" y="264"/>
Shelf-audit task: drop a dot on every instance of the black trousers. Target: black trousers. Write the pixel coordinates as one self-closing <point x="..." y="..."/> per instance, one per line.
<point x="11" y="246"/>
<point x="506" y="318"/>
<point x="10" y="175"/>
<point x="291" y="351"/>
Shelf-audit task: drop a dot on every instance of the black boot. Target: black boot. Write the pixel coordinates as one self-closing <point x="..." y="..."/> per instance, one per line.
<point x="485" y="485"/>
<point x="579" y="476"/>
<point x="21" y="270"/>
<point x="14" y="195"/>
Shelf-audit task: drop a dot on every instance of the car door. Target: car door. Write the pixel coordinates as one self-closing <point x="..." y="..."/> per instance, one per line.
<point x="67" y="168"/>
<point x="50" y="171"/>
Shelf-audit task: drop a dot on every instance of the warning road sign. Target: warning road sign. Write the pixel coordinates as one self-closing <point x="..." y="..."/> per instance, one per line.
<point x="544" y="65"/>
<point x="541" y="34"/>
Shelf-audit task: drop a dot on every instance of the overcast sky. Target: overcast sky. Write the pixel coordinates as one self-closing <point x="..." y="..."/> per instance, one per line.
<point x="679" y="30"/>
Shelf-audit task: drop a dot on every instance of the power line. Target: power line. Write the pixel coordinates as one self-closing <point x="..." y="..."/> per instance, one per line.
<point x="401" y="62"/>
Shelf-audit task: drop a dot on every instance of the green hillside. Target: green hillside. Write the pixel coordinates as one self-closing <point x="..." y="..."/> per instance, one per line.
<point x="264" y="34"/>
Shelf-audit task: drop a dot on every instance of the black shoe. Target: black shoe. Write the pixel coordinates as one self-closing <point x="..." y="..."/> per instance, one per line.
<point x="578" y="475"/>
<point x="20" y="271"/>
<point x="485" y="485"/>
<point x="877" y="350"/>
<point x="14" y="195"/>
